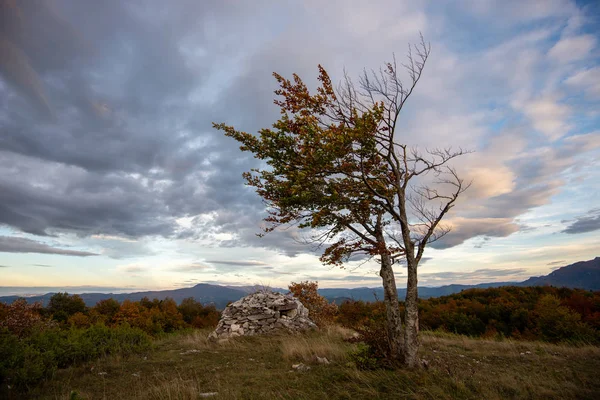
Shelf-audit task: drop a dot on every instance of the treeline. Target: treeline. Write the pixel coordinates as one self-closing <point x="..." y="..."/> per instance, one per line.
<point x="36" y="340"/>
<point x="528" y="313"/>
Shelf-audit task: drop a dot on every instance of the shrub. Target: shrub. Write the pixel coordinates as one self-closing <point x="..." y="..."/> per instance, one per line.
<point x="374" y="351"/>
<point x="197" y="315"/>
<point x="105" y="310"/>
<point x="321" y="312"/>
<point x="363" y="358"/>
<point x="21" y="318"/>
<point x="26" y="361"/>
<point x="79" y="320"/>
<point x="557" y="323"/>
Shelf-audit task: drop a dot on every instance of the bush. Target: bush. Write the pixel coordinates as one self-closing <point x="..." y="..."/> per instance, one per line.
<point x="557" y="323"/>
<point x="21" y="318"/>
<point x="105" y="310"/>
<point x="321" y="312"/>
<point x="375" y="349"/>
<point x="197" y="315"/>
<point x="363" y="358"/>
<point x="26" y="361"/>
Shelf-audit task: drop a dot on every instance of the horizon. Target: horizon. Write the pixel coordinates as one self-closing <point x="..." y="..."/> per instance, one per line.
<point x="26" y="291"/>
<point x="111" y="175"/>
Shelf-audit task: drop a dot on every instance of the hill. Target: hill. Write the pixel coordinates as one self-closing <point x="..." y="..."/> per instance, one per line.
<point x="204" y="293"/>
<point x="580" y="275"/>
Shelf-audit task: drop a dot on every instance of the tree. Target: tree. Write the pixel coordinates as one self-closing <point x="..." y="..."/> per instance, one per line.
<point x="334" y="165"/>
<point x="105" y="310"/>
<point x="63" y="305"/>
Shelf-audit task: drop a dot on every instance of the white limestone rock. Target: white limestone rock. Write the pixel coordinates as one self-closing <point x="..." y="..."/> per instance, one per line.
<point x="263" y="313"/>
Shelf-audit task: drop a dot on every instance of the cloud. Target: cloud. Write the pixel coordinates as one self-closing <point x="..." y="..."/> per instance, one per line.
<point x="4" y="266"/>
<point x="467" y="277"/>
<point x="587" y="80"/>
<point x="586" y="223"/>
<point x="131" y="269"/>
<point x="194" y="267"/>
<point x="238" y="263"/>
<point x="548" y="116"/>
<point x="347" y="278"/>
<point x="130" y="153"/>
<point x="11" y="244"/>
<point x="154" y="159"/>
<point x="462" y="229"/>
<point x="560" y="262"/>
<point x="571" y="49"/>
<point x="43" y="265"/>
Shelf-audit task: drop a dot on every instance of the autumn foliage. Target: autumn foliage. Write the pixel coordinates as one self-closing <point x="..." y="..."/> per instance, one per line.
<point x="36" y="340"/>
<point x="321" y="312"/>
<point x="527" y="313"/>
<point x="20" y="318"/>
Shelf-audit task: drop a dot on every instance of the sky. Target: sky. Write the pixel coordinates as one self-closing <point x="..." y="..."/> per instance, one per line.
<point x="113" y="179"/>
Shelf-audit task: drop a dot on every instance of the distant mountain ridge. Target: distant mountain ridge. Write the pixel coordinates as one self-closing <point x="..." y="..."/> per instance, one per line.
<point x="202" y="292"/>
<point x="581" y="275"/>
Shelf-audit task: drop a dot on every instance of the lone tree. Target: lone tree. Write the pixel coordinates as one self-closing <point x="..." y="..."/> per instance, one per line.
<point x="335" y="166"/>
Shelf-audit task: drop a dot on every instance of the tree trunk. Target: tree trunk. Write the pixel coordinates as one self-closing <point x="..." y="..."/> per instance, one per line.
<point x="393" y="320"/>
<point x="411" y="317"/>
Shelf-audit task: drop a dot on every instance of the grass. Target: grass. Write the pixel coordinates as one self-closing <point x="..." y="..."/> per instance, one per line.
<point x="190" y="367"/>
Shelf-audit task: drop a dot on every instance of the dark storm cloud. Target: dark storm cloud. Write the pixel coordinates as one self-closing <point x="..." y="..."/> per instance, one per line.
<point x="129" y="147"/>
<point x="586" y="223"/>
<point x="132" y="88"/>
<point x="22" y="245"/>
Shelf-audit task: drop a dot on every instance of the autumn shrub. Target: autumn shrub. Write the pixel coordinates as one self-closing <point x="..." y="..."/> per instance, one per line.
<point x="557" y="323"/>
<point x="356" y="313"/>
<point x="197" y="315"/>
<point x="321" y="312"/>
<point x="79" y="320"/>
<point x="105" y="311"/>
<point x="20" y="318"/>
<point x="523" y="313"/>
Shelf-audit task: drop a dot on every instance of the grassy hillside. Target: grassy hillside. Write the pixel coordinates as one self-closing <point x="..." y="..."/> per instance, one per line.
<point x="188" y="367"/>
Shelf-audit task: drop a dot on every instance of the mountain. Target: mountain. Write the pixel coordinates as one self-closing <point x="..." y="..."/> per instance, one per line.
<point x="204" y="293"/>
<point x="372" y="294"/>
<point x="581" y="275"/>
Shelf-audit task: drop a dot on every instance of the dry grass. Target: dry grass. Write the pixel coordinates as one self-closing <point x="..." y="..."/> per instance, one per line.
<point x="306" y="348"/>
<point x="187" y="366"/>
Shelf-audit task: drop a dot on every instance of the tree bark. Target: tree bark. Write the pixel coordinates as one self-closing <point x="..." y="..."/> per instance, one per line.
<point x="393" y="318"/>
<point x="411" y="317"/>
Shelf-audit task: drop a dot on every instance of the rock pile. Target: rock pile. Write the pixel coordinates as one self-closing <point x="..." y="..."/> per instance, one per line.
<point x="262" y="313"/>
